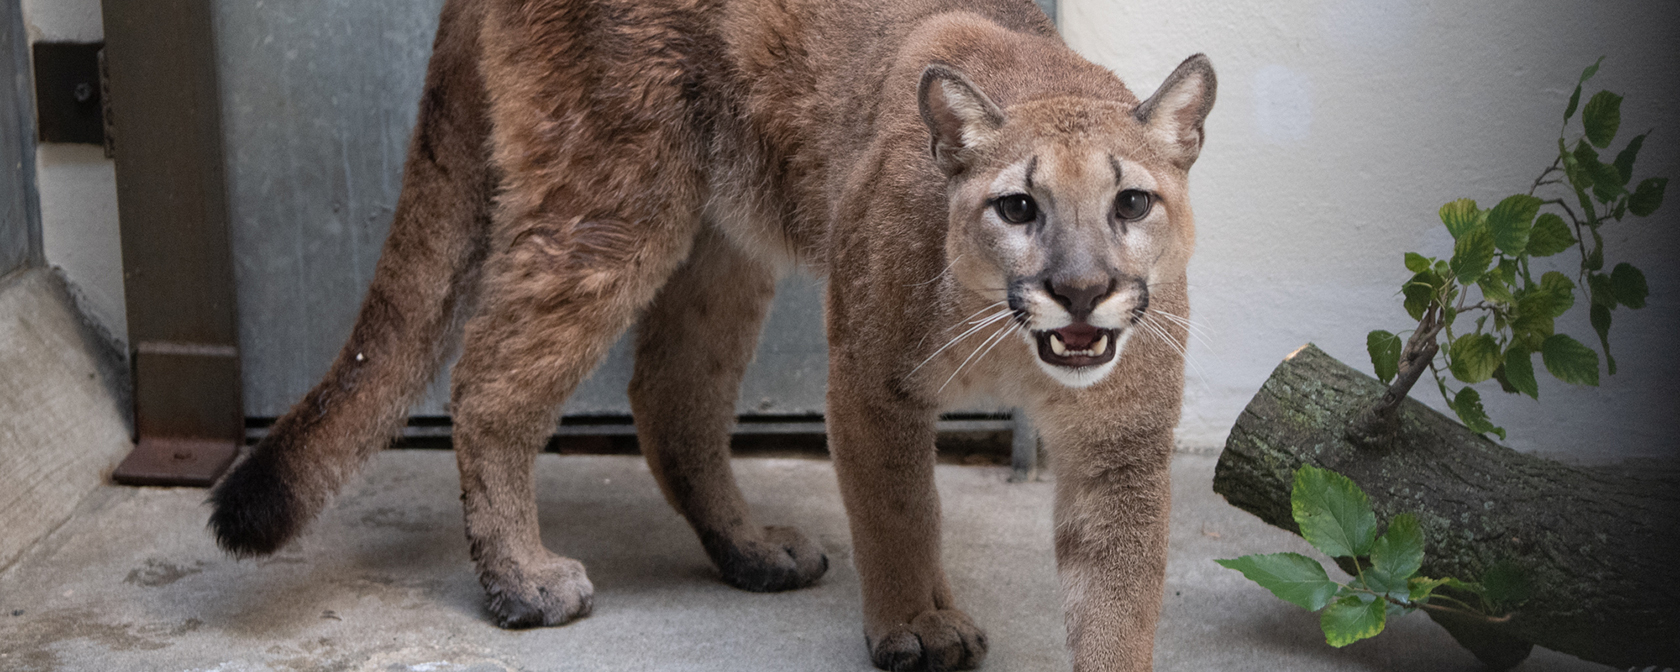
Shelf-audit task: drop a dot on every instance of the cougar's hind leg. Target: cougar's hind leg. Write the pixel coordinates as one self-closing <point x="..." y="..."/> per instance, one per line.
<point x="425" y="279"/>
<point x="693" y="346"/>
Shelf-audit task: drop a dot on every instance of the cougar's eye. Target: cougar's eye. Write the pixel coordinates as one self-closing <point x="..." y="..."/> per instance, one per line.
<point x="1132" y="204"/>
<point x="1017" y="208"/>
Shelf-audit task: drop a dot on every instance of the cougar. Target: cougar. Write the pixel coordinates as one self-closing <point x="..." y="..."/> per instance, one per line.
<point x="996" y="219"/>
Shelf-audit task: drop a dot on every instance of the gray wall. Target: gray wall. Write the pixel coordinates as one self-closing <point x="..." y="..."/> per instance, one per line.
<point x="20" y="229"/>
<point x="318" y="101"/>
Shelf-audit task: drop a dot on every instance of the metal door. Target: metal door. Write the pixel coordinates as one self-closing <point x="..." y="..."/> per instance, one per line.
<point x="318" y="99"/>
<point x="20" y="238"/>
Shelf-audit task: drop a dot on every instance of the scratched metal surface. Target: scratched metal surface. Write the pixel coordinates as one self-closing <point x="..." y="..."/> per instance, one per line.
<point x="19" y="224"/>
<point x="318" y="101"/>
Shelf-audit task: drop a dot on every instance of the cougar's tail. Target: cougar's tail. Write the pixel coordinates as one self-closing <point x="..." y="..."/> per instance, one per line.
<point x="425" y="280"/>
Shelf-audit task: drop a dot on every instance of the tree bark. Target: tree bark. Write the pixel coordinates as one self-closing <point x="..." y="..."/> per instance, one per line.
<point x="1600" y="549"/>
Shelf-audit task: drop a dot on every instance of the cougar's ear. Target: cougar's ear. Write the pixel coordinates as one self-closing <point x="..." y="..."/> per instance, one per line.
<point x="958" y="115"/>
<point x="1174" y="115"/>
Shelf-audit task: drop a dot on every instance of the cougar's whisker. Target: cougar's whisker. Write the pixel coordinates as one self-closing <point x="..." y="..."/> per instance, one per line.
<point x="1196" y="330"/>
<point x="938" y="275"/>
<point x="982" y="324"/>
<point x="955" y="325"/>
<point x="1001" y="331"/>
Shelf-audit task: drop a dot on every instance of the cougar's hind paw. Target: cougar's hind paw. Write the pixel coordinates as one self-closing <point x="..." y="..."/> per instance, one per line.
<point x="934" y="641"/>
<point x="784" y="559"/>
<point x="556" y="592"/>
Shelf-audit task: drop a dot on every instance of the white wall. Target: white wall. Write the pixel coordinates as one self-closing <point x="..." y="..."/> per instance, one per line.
<point x="78" y="185"/>
<point x="1343" y="125"/>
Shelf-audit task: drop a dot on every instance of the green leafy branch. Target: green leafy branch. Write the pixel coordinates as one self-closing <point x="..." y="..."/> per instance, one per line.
<point x="1515" y="313"/>
<point x="1335" y="516"/>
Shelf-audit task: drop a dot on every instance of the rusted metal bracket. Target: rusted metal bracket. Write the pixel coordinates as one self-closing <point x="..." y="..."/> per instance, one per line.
<point x="179" y="405"/>
<point x="177" y="263"/>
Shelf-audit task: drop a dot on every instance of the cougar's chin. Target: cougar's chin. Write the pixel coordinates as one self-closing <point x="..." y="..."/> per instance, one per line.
<point x="1079" y="355"/>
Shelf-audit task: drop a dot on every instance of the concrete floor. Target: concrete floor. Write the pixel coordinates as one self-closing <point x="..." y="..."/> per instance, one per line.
<point x="383" y="582"/>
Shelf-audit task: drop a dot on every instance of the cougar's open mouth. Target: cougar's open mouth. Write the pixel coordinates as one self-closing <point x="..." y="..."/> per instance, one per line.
<point x="1077" y="345"/>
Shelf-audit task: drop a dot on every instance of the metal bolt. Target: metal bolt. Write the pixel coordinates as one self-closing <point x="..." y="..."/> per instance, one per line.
<point x="84" y="92"/>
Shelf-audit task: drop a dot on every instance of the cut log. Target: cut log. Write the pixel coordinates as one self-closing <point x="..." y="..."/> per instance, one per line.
<point x="1600" y="549"/>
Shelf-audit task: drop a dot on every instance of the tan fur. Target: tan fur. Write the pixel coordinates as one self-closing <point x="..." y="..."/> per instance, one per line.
<point x="662" y="161"/>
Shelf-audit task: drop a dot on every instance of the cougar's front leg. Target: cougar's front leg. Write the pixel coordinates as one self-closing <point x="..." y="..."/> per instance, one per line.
<point x="600" y="193"/>
<point x="554" y="303"/>
<point x="692" y="349"/>
<point x="883" y="447"/>
<point x="1113" y="499"/>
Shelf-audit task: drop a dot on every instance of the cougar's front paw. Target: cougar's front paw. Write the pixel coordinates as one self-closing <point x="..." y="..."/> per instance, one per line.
<point x="934" y="641"/>
<point x="552" y="592"/>
<point x="784" y="559"/>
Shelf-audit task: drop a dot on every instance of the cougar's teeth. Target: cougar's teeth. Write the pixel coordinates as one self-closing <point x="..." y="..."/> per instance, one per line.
<point x="1057" y="346"/>
<point x="1101" y="346"/>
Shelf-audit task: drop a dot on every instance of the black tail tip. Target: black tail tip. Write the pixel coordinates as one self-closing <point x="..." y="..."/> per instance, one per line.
<point x="255" y="511"/>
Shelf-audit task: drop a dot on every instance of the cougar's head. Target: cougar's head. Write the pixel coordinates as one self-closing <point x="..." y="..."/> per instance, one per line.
<point x="1071" y="210"/>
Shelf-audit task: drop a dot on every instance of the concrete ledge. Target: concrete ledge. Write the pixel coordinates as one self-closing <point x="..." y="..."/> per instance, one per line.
<point x="62" y="428"/>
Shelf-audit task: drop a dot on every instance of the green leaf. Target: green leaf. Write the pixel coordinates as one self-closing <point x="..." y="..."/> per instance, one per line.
<point x="1572" y="168"/>
<point x="1494" y="289"/>
<point x="1416" y="263"/>
<point x="1508" y="271"/>
<point x="1601" y="323"/>
<point x="1569" y="361"/>
<point x="1595" y="258"/>
<point x="1420" y="587"/>
<point x="1574" y="102"/>
<point x="1519" y="370"/>
<point x="1293" y="577"/>
<point x="1474" y="357"/>
<point x="1607" y="183"/>
<point x="1419" y="293"/>
<point x="1629" y="285"/>
<point x="1534" y="321"/>
<point x="1602" y="117"/>
<point x="1385" y="583"/>
<point x="1472" y="254"/>
<point x="1351" y="619"/>
<point x="1460" y="216"/>
<point x="1504" y="383"/>
<point x="1385" y="353"/>
<point x="1603" y="289"/>
<point x="1549" y="236"/>
<point x="1333" y="513"/>
<point x="1399" y="551"/>
<point x="1466" y="586"/>
<point x="1511" y="220"/>
<point x="1591" y="70"/>
<point x="1560" y="289"/>
<point x="1506" y="585"/>
<point x="1586" y="166"/>
<point x="1468" y="405"/>
<point x="1648" y="196"/>
<point x="1625" y="159"/>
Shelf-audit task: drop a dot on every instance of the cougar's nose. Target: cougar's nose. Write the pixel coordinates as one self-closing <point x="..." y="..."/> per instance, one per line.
<point x="1080" y="296"/>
